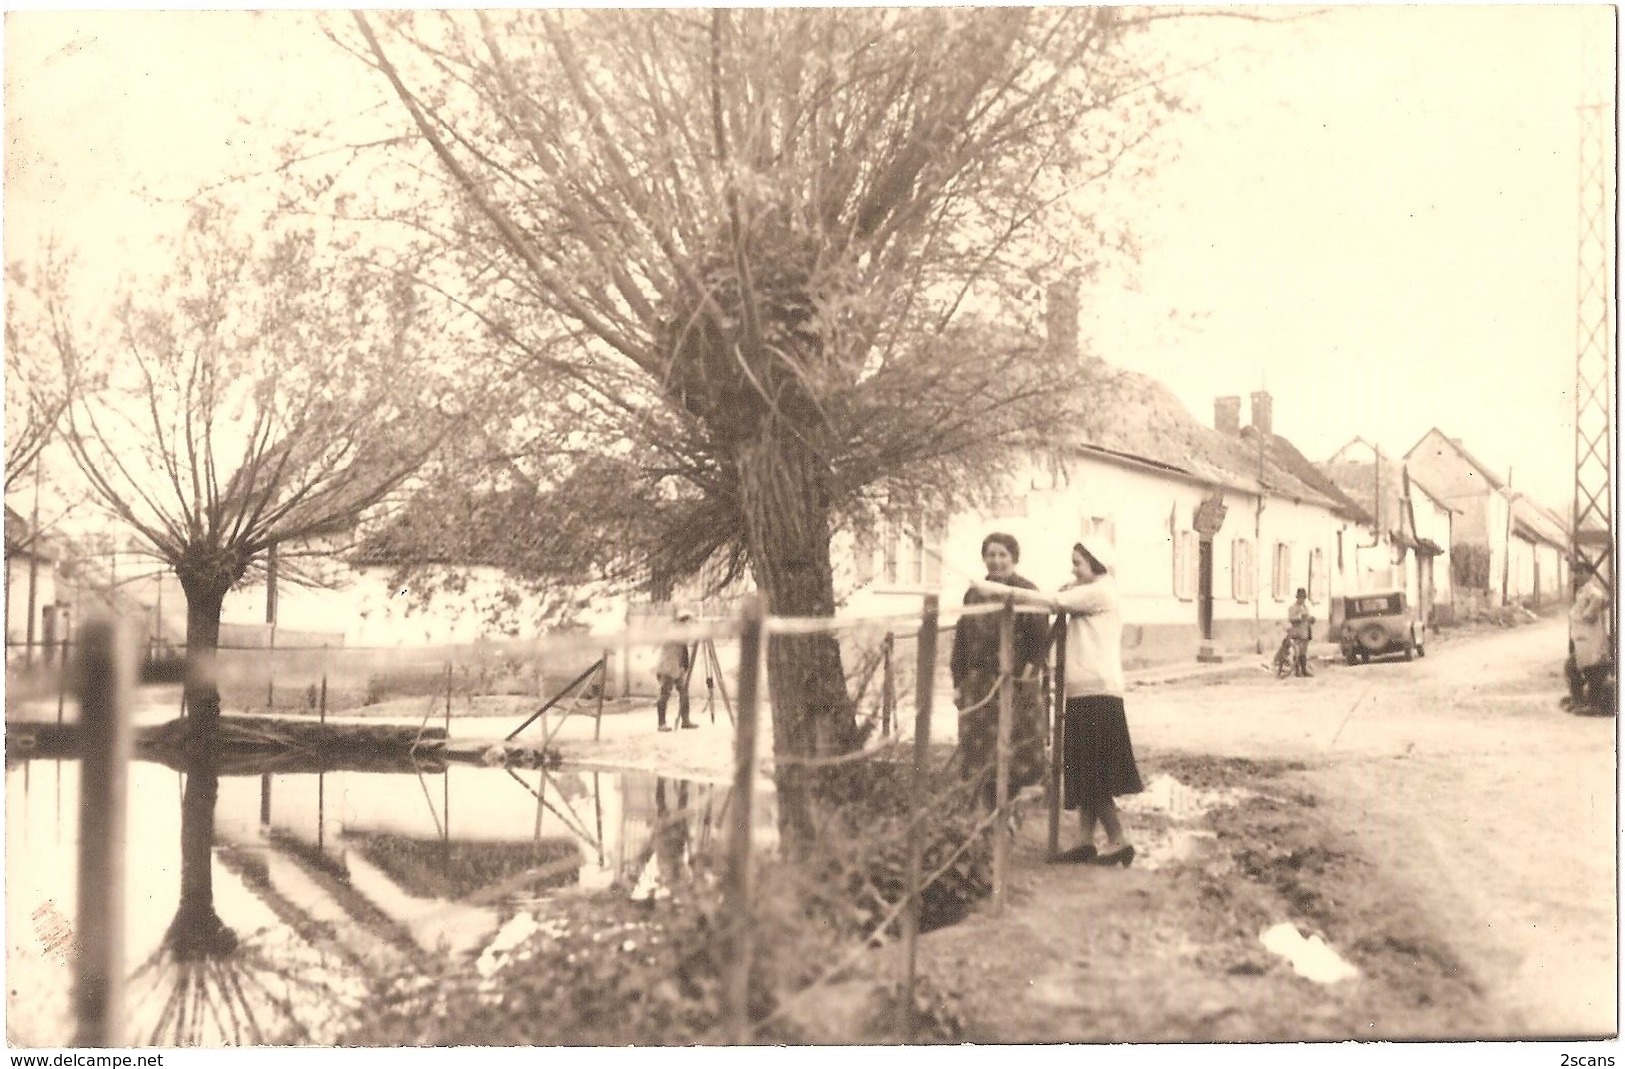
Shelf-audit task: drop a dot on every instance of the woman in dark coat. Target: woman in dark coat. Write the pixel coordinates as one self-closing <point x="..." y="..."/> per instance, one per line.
<point x="974" y="666"/>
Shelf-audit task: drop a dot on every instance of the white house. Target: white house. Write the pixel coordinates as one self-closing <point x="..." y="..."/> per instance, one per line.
<point x="1507" y="547"/>
<point x="30" y="589"/>
<point x="1411" y="529"/>
<point x="1214" y="528"/>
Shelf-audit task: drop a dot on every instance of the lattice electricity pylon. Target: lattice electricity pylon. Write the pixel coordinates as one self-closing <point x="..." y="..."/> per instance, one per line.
<point x="1593" y="519"/>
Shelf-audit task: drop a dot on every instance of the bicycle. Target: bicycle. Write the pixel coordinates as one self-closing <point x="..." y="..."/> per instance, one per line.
<point x="1291" y="652"/>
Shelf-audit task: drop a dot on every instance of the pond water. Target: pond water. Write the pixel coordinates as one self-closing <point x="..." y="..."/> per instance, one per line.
<point x="260" y="908"/>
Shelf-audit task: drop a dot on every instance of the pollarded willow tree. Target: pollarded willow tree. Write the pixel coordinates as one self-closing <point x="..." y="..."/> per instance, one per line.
<point x="267" y="391"/>
<point x="787" y="255"/>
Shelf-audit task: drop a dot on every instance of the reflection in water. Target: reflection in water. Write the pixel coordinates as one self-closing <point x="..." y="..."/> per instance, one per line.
<point x="203" y="985"/>
<point x="299" y="891"/>
<point x="197" y="933"/>
<point x="666" y="866"/>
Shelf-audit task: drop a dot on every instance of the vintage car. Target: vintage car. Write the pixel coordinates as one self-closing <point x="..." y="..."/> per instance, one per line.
<point x="1379" y="623"/>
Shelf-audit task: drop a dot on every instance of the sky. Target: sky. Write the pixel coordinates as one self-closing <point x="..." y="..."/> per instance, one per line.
<point x="1372" y="212"/>
<point x="1374" y="217"/>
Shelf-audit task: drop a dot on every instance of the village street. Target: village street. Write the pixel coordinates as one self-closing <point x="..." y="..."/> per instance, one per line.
<point x="1466" y="831"/>
<point x="1461" y="779"/>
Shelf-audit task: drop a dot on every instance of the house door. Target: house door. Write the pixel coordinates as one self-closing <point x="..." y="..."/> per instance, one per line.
<point x="1204" y="588"/>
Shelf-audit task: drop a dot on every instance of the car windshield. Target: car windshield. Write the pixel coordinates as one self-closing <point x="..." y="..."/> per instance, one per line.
<point x="1380" y="605"/>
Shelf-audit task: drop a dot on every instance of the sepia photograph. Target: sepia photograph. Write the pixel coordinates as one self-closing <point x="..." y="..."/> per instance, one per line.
<point x="1078" y="530"/>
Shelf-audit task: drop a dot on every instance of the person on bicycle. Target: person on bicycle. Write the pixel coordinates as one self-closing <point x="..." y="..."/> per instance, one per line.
<point x="1302" y="623"/>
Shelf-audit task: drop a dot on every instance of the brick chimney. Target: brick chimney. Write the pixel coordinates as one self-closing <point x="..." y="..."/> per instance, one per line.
<point x="1263" y="412"/>
<point x="1227" y="414"/>
<point x="1061" y="319"/>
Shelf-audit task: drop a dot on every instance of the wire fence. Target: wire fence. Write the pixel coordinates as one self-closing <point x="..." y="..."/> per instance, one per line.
<point x="897" y="678"/>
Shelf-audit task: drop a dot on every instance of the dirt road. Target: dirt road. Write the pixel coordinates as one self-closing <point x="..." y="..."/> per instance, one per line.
<point x="1447" y="827"/>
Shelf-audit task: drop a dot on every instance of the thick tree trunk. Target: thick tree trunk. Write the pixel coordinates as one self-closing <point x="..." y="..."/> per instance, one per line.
<point x="197" y="930"/>
<point x="787" y="523"/>
<point x="204" y="600"/>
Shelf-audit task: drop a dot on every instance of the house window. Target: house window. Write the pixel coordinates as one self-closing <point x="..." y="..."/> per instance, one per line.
<point x="1011" y="506"/>
<point x="1186" y="557"/>
<point x="1243" y="570"/>
<point x="1281" y="574"/>
<point x="1317" y="575"/>
<point x="1101" y="527"/>
<point x="913" y="552"/>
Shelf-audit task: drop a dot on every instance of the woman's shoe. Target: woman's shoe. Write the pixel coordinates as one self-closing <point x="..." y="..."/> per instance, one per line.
<point x="1123" y="856"/>
<point x="1078" y="855"/>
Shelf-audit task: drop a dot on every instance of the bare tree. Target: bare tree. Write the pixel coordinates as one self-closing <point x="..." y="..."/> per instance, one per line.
<point x="790" y="254"/>
<point x="31" y="416"/>
<point x="267" y="391"/>
<point x="35" y="400"/>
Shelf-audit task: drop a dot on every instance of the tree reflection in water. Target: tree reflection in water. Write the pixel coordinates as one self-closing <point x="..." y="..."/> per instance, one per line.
<point x="207" y="986"/>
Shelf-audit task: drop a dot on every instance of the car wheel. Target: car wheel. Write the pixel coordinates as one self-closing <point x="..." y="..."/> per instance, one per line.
<point x="1365" y="658"/>
<point x="1351" y="658"/>
<point x="1373" y="638"/>
<point x="1410" y="651"/>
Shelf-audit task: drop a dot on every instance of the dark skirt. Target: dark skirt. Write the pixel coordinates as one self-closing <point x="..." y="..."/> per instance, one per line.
<point x="1099" y="756"/>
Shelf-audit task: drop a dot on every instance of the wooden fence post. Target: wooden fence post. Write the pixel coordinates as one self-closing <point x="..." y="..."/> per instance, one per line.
<point x="105" y="682"/>
<point x="1001" y="778"/>
<point x="888" y="687"/>
<point x="603" y="685"/>
<point x="448" y="700"/>
<point x="924" y="675"/>
<point x="1057" y="738"/>
<point x="736" y="876"/>
<point x="62" y="680"/>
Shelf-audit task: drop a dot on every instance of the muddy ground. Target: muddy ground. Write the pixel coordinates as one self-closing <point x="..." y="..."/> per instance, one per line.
<point x="1443" y="827"/>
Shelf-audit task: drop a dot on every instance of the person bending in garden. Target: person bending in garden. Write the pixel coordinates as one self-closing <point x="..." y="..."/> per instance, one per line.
<point x="974" y="667"/>
<point x="1098" y="755"/>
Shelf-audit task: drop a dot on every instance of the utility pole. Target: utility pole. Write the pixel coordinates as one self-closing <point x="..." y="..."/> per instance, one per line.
<point x="1258" y="555"/>
<point x="1506" y="544"/>
<point x="1592" y="533"/>
<point x="33" y="565"/>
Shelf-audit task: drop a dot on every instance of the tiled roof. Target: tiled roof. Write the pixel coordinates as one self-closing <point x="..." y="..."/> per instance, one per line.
<point x="1483" y="469"/>
<point x="1357" y="480"/>
<point x="1138" y="419"/>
